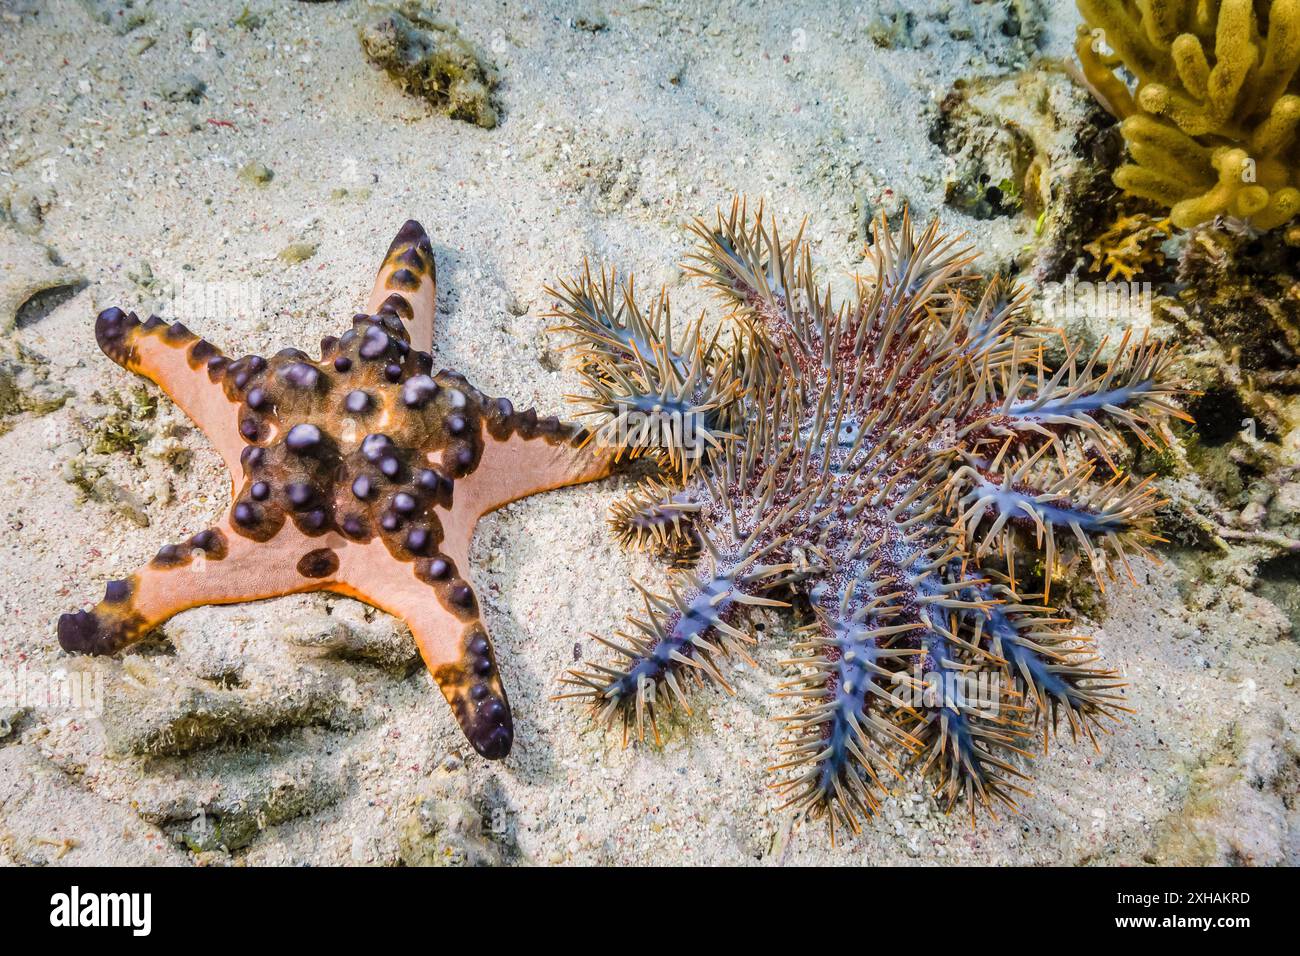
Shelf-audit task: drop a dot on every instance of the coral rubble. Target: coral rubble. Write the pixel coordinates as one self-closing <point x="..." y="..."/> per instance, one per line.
<point x="427" y="57"/>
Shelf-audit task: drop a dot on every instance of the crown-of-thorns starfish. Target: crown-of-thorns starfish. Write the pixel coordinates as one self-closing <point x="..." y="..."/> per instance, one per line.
<point x="884" y="459"/>
<point x="361" y="473"/>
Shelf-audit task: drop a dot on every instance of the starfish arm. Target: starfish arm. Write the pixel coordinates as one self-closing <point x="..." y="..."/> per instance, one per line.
<point x="408" y="284"/>
<point x="191" y="370"/>
<point x="433" y="598"/>
<point x="531" y="456"/>
<point x="217" y="566"/>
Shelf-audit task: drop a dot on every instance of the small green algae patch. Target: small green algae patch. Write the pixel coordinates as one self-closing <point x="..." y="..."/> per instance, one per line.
<point x="258" y="174"/>
<point x="248" y="20"/>
<point x="297" y="252"/>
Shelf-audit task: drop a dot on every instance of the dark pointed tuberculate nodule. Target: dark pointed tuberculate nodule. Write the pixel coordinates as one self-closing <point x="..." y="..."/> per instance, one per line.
<point x="321" y="503"/>
<point x="902" y="460"/>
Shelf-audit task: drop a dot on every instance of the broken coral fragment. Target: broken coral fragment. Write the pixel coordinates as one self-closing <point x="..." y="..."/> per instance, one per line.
<point x="427" y="57"/>
<point x="1211" y="121"/>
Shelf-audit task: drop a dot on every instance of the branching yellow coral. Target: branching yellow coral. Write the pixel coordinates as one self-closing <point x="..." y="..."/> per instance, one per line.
<point x="1211" y="121"/>
<point x="1129" y="245"/>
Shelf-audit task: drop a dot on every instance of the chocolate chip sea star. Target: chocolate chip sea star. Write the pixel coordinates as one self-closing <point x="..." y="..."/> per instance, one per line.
<point x="360" y="473"/>
<point x="882" y="461"/>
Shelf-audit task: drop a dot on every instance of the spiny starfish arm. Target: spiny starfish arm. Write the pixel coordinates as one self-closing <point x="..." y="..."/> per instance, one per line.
<point x="191" y="370"/>
<point x="436" y="601"/>
<point x="1087" y="398"/>
<point x="216" y="566"/>
<point x="915" y="271"/>
<point x="409" y="273"/>
<point x="1049" y="668"/>
<point x="773" y="284"/>
<point x="661" y="655"/>
<point x="839" y="741"/>
<point x="657" y="517"/>
<point x="648" y="395"/>
<point x="768" y="281"/>
<point x="996" y="509"/>
<point x="606" y="320"/>
<point x="679" y="642"/>
<point x="983" y="330"/>
<point x="969" y="731"/>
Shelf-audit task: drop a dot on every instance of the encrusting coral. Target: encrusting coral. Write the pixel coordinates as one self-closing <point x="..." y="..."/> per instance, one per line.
<point x="1211" y="122"/>
<point x="1130" y="245"/>
<point x="884" y="459"/>
<point x="362" y="472"/>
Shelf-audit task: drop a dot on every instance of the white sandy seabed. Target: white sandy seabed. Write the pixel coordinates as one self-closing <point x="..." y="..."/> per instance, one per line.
<point x="610" y="140"/>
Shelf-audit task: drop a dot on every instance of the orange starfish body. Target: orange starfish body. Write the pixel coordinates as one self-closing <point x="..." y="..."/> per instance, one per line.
<point x="362" y="473"/>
